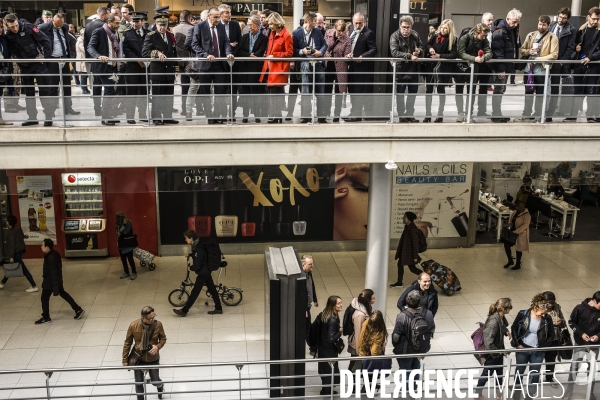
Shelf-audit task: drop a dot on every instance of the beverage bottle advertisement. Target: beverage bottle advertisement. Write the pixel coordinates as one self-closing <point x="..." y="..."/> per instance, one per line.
<point x="36" y="207"/>
<point x="438" y="193"/>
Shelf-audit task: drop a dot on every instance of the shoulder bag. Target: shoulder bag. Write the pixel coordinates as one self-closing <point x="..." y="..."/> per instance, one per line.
<point x="508" y="236"/>
<point x="13" y="270"/>
<point x="339" y="345"/>
<point x="565" y="340"/>
<point x="127" y="241"/>
<point x="134" y="358"/>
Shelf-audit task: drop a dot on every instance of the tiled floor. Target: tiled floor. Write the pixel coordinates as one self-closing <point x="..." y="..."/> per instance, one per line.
<point x="568" y="268"/>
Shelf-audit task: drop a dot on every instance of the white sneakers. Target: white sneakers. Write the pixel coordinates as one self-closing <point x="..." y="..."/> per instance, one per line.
<point x="32" y="289"/>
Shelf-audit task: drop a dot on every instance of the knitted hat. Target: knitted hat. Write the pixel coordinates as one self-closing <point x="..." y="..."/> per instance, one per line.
<point x="410" y="215"/>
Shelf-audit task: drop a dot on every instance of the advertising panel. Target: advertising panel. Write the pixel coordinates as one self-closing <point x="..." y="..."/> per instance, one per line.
<point x="247" y="203"/>
<point x="36" y="207"/>
<point x="438" y="193"/>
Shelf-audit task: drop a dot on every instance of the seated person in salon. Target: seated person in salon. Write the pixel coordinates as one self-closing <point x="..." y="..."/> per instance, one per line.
<point x="554" y="186"/>
<point x="525" y="190"/>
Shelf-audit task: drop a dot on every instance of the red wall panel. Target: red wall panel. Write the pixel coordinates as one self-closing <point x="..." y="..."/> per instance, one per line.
<point x="131" y="190"/>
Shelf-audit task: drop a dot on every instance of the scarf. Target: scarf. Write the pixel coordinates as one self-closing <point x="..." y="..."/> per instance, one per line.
<point x="146" y="335"/>
<point x="252" y="41"/>
<point x="116" y="49"/>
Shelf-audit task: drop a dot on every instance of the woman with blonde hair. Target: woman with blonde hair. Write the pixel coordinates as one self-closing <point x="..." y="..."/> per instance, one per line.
<point x="331" y="332"/>
<point x="494" y="331"/>
<point x="442" y="44"/>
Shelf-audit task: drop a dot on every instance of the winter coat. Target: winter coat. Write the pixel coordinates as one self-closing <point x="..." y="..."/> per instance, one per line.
<point x="400" y="340"/>
<point x="199" y="256"/>
<point x="468" y="49"/>
<point x="280" y="45"/>
<point x="135" y="332"/>
<point x="566" y="40"/>
<point x="52" y="272"/>
<point x="432" y="297"/>
<point x="505" y="46"/>
<point x="399" y="48"/>
<point x="522" y="229"/>
<point x="545" y="332"/>
<point x="358" y="318"/>
<point x="548" y="49"/>
<point x="594" y="53"/>
<point x="584" y="319"/>
<point x="443" y="49"/>
<point x="372" y="343"/>
<point x="339" y="47"/>
<point x="15" y="241"/>
<point x="330" y="333"/>
<point x="80" y="55"/>
<point x="494" y="331"/>
<point x="408" y="246"/>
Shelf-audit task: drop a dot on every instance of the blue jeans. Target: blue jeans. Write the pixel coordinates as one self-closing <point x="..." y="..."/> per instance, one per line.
<point x="535" y="359"/>
<point x="409" y="364"/>
<point x="307" y="88"/>
<point x="18" y="258"/>
<point x="491" y="365"/>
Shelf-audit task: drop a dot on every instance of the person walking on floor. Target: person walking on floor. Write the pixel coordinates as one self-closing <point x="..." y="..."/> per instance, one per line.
<point x="15" y="247"/>
<point x="147" y="336"/>
<point x="126" y="244"/>
<point x="52" y="285"/>
<point x="407" y="253"/>
<point x="200" y="267"/>
<point x="518" y="223"/>
<point x="494" y="331"/>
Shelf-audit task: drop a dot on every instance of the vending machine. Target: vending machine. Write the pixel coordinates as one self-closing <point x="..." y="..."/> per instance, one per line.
<point x="84" y="225"/>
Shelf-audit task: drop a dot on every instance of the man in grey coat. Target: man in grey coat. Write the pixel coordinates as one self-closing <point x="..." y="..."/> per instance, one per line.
<point x="307" y="266"/>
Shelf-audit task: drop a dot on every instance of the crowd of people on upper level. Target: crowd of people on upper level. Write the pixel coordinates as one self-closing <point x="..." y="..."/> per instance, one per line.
<point x="214" y="40"/>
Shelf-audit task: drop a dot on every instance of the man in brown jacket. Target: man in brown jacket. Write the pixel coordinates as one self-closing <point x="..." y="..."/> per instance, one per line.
<point x="408" y="248"/>
<point x="149" y="337"/>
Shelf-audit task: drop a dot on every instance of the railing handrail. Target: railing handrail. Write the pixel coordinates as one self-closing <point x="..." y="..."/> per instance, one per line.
<point x="294" y="59"/>
<point x="295" y="361"/>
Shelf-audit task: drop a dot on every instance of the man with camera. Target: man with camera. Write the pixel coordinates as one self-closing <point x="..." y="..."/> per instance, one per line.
<point x="309" y="43"/>
<point x="147" y="337"/>
<point x="104" y="46"/>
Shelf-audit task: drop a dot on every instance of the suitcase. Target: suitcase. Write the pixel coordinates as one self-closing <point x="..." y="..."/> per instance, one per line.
<point x="145" y="258"/>
<point x="442" y="276"/>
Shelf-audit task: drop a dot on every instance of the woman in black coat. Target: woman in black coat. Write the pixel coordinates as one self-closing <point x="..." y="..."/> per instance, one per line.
<point x="331" y="332"/>
<point x="442" y="44"/>
<point x="253" y="44"/>
<point x="3" y="66"/>
<point x="15" y="247"/>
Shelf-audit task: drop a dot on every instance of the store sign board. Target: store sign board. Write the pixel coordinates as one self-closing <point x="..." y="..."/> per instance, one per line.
<point x="81" y="178"/>
<point x="238" y="9"/>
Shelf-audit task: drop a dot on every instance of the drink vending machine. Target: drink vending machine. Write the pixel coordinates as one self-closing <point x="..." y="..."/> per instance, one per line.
<point x="84" y="226"/>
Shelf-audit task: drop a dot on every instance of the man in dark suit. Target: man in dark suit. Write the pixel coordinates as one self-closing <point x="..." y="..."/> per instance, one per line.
<point x="135" y="77"/>
<point x="102" y="14"/>
<point x="58" y="33"/>
<point x="309" y="43"/>
<point x="160" y="44"/>
<point x="106" y="71"/>
<point x="209" y="41"/>
<point x="253" y="44"/>
<point x="234" y="34"/>
<point x="360" y="79"/>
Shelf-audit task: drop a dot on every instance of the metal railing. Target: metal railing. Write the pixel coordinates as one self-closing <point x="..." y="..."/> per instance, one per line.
<point x="250" y="379"/>
<point x="373" y="96"/>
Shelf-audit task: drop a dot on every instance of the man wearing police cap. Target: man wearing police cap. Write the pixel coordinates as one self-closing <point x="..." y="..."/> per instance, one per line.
<point x="135" y="79"/>
<point x="26" y="41"/>
<point x="160" y="44"/>
<point x="160" y="12"/>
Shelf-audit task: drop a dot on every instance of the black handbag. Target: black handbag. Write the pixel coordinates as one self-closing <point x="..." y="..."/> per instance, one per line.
<point x="508" y="235"/>
<point x="127" y="241"/>
<point x="339" y="345"/>
<point x="565" y="340"/>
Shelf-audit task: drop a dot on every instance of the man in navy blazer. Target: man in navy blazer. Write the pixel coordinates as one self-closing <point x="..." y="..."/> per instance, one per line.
<point x="205" y="36"/>
<point x="309" y="43"/>
<point x="105" y="70"/>
<point x="58" y="33"/>
<point x="361" y="74"/>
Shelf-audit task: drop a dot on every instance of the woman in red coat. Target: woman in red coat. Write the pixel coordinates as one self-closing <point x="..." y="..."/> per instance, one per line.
<point x="280" y="45"/>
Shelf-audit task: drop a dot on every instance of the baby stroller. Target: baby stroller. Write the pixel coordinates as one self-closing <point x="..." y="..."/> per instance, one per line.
<point x="145" y="258"/>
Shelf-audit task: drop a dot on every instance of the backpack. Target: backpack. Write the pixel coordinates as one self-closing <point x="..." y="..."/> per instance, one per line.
<point x="419" y="332"/>
<point x="478" y="343"/>
<point x="422" y="241"/>
<point x="314" y="332"/>
<point x="213" y="255"/>
<point x="347" y="322"/>
<point x="514" y="340"/>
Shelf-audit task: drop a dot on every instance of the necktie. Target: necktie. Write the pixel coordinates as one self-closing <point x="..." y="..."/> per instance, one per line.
<point x="62" y="43"/>
<point x="353" y="39"/>
<point x="558" y="31"/>
<point x="227" y="29"/>
<point x="215" y="43"/>
<point x="164" y="38"/>
<point x="139" y="32"/>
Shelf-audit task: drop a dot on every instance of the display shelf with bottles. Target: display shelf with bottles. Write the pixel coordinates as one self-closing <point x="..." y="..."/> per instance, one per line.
<point x="83" y="195"/>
